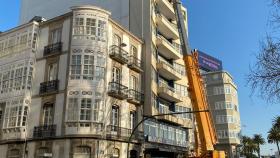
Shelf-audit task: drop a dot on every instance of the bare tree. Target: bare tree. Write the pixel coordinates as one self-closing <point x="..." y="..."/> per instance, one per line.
<point x="264" y="75"/>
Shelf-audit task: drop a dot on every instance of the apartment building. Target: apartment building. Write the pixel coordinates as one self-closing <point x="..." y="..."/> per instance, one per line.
<point x="70" y="87"/>
<point x="165" y="83"/>
<point x="223" y="100"/>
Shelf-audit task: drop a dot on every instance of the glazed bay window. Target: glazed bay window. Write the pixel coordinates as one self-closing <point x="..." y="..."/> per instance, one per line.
<point x="91" y="26"/>
<point x="76" y="66"/>
<point x="83" y="110"/>
<point x="88" y="67"/>
<point x="15" y="114"/>
<point x="79" y="26"/>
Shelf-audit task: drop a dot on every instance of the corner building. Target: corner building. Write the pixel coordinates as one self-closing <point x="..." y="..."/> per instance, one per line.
<point x="223" y="99"/>
<point x="70" y="87"/>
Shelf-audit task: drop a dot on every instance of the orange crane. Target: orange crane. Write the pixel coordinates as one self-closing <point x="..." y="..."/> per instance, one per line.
<point x="206" y="136"/>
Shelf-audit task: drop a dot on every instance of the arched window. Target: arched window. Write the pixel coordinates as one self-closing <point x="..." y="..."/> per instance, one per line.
<point x="115" y="118"/>
<point x="116" y="153"/>
<point x="116" y="75"/>
<point x="48" y="114"/>
<point x="82" y="152"/>
<point x="14" y="153"/>
<point x="117" y="40"/>
<point x="44" y="152"/>
<point x="133" y="51"/>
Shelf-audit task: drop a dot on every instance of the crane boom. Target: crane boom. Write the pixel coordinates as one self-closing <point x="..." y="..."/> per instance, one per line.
<point x="205" y="126"/>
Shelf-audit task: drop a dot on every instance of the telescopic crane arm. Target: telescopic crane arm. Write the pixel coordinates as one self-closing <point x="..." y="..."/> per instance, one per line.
<point x="205" y="126"/>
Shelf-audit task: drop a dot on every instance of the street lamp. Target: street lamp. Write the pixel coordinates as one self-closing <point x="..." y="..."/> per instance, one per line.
<point x="153" y="116"/>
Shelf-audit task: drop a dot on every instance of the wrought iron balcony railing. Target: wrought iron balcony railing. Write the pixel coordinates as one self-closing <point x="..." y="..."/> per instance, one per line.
<point x="53" y="49"/>
<point x="45" y="131"/>
<point x="117" y="90"/>
<point x="116" y="132"/>
<point x="49" y="87"/>
<point x="118" y="54"/>
<point x="135" y="64"/>
<point x="135" y="97"/>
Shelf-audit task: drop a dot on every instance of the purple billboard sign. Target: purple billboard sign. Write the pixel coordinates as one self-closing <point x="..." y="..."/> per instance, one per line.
<point x="209" y="63"/>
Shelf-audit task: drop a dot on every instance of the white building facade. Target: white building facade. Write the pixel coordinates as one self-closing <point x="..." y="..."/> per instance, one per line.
<point x="70" y="87"/>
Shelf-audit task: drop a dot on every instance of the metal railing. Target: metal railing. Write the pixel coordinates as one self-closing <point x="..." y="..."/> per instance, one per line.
<point x="174" y="26"/>
<point x="52" y="48"/>
<point x="122" y="133"/>
<point x="135" y="62"/>
<point x="45" y="131"/>
<point x="135" y="95"/>
<point x="117" y="89"/>
<point x="164" y="85"/>
<point x="171" y="44"/>
<point x="117" y="53"/>
<point x="49" y="86"/>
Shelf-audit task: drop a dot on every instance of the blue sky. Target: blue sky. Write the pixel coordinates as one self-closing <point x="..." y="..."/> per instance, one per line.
<point x="231" y="31"/>
<point x="228" y="30"/>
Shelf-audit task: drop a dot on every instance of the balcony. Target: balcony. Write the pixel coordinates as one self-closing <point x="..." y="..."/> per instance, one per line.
<point x="135" y="64"/>
<point x="118" y="54"/>
<point x="46" y="131"/>
<point x="135" y="97"/>
<point x="167" y="71"/>
<point x="120" y="133"/>
<point x="49" y="87"/>
<point x="117" y="90"/>
<point x="167" y="49"/>
<point x="166" y="8"/>
<point x="166" y="28"/>
<point x="93" y="129"/>
<point x="168" y="93"/>
<point x="53" y="49"/>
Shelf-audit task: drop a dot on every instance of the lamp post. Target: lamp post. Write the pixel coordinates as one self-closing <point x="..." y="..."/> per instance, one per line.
<point x="153" y="116"/>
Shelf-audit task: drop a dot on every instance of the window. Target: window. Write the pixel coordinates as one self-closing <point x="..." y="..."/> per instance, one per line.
<point x="101" y="28"/>
<point x="100" y="68"/>
<point x="116" y="153"/>
<point x="218" y="90"/>
<point x="55" y="35"/>
<point x="133" y="51"/>
<point x="82" y="152"/>
<point x="52" y="72"/>
<point x="73" y="105"/>
<point x="116" y="75"/>
<point x="117" y="40"/>
<point x="182" y="90"/>
<point x="14" y="153"/>
<point x="48" y="114"/>
<point x="227" y="90"/>
<point x="43" y="151"/>
<point x="221" y="105"/>
<point x="91" y="26"/>
<point x="79" y="28"/>
<point x="183" y="109"/>
<point x="88" y="67"/>
<point x="85" y="109"/>
<point x="96" y="109"/>
<point x="132" y="119"/>
<point x="115" y="116"/>
<point x="180" y="69"/>
<point x="222" y="119"/>
<point x="76" y="66"/>
<point x="133" y="83"/>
